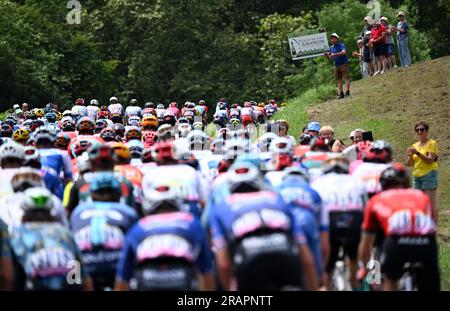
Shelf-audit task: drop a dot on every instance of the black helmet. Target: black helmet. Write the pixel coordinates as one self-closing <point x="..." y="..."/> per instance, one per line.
<point x="394" y="176"/>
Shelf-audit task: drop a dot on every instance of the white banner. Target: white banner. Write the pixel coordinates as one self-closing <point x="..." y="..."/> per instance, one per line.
<point x="308" y="45"/>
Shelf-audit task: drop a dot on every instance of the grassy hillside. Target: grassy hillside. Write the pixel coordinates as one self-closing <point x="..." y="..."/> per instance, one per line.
<point x="390" y="105"/>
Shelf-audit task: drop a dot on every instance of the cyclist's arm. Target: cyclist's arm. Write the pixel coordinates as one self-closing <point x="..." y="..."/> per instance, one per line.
<point x="6" y="265"/>
<point x="125" y="267"/>
<point x="365" y="247"/>
<point x="308" y="268"/>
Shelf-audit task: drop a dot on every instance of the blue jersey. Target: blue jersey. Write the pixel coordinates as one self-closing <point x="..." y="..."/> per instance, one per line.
<point x="298" y="193"/>
<point x="47" y="252"/>
<point x="99" y="229"/>
<point x="177" y="235"/>
<point x="55" y="162"/>
<point x="53" y="183"/>
<point x="241" y="214"/>
<point x="339" y="60"/>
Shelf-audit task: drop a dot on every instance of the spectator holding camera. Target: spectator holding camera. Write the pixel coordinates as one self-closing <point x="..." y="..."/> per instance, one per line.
<point x="422" y="156"/>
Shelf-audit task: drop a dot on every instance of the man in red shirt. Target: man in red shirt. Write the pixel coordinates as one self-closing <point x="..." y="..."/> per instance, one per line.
<point x="378" y="42"/>
<point x="404" y="215"/>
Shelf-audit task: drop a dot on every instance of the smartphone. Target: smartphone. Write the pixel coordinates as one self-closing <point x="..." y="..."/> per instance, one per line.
<point x="367" y="136"/>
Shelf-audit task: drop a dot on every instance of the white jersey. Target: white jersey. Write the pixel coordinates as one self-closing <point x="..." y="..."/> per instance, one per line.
<point x="11" y="211"/>
<point x="79" y="110"/>
<point x="274" y="179"/>
<point x="246" y="111"/>
<point x="160" y="112"/>
<point x="115" y="109"/>
<point x="341" y="192"/>
<point x="209" y="166"/>
<point x="369" y="174"/>
<point x="133" y="111"/>
<point x="182" y="177"/>
<point x="92" y="111"/>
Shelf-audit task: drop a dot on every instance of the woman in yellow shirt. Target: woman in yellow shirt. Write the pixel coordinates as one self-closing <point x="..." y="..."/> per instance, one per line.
<point x="422" y="156"/>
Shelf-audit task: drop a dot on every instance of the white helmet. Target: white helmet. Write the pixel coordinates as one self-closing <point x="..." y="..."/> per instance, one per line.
<point x="134" y="121"/>
<point x="94" y="102"/>
<point x="11" y="149"/>
<point x="113" y="99"/>
<point x="157" y="192"/>
<point x="37" y="198"/>
<point x="244" y="173"/>
<point x="183" y="130"/>
<point x="25" y="178"/>
<point x="281" y="145"/>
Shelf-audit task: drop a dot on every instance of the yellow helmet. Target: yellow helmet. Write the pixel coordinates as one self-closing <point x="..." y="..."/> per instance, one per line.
<point x="149" y="121"/>
<point x="40" y="112"/>
<point x="59" y="116"/>
<point x="21" y="135"/>
<point x="121" y="150"/>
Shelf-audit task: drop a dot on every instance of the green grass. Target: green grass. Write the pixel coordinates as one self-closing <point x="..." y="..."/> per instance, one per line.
<point x="389" y="106"/>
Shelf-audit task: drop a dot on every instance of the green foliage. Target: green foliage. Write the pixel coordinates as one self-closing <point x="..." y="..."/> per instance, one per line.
<point x="180" y="50"/>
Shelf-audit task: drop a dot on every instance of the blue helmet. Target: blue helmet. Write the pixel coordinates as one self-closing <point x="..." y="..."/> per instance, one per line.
<point x="105" y="181"/>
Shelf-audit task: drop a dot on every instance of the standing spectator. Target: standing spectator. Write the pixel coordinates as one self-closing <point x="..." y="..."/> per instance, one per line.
<point x="403" y="40"/>
<point x="390" y="56"/>
<point x="364" y="66"/>
<point x="378" y="42"/>
<point x="365" y="37"/>
<point x="341" y="70"/>
<point x="422" y="156"/>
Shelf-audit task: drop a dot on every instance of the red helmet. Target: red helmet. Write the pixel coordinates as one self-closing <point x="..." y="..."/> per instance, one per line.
<point x="79" y="101"/>
<point x="362" y="148"/>
<point x="149" y="138"/>
<point x="173" y="104"/>
<point x="282" y="161"/>
<point x="163" y="151"/>
<point x="380" y="152"/>
<point x="318" y="144"/>
<point x="62" y="140"/>
<point x="103" y="114"/>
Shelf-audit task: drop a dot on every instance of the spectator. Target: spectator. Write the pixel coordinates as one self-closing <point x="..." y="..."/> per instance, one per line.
<point x="313" y="129"/>
<point x="350" y="152"/>
<point x="402" y="40"/>
<point x="378" y="42"/>
<point x="341" y="70"/>
<point x="365" y="37"/>
<point x="327" y="135"/>
<point x="364" y="66"/>
<point x="390" y="56"/>
<point x="422" y="156"/>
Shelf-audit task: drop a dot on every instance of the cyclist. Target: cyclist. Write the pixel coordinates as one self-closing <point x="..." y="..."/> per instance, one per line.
<point x="104" y="215"/>
<point x="405" y="216"/>
<point x="167" y="249"/>
<point x="12" y="156"/>
<point x="344" y="198"/>
<point x="45" y="250"/>
<point x="79" y="109"/>
<point x="21" y="136"/>
<point x="254" y="237"/>
<point x="116" y="110"/>
<point x="312" y="218"/>
<point x="133" y="110"/>
<point x="101" y="161"/>
<point x="11" y="211"/>
<point x="93" y="109"/>
<point x="55" y="161"/>
<point x="191" y="188"/>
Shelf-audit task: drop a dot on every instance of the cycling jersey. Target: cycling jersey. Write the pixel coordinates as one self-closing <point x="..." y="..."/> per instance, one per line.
<point x="160" y="113"/>
<point x="92" y="112"/>
<point x="260" y="232"/>
<point x="209" y="166"/>
<point x="130" y="172"/>
<point x="369" y="174"/>
<point x="308" y="212"/>
<point x="403" y="212"/>
<point x="56" y="162"/>
<point x="133" y="111"/>
<point x="247" y="111"/>
<point x="47" y="253"/>
<point x="99" y="229"/>
<point x="115" y="109"/>
<point x="177" y="237"/>
<point x="80" y="111"/>
<point x="185" y="179"/>
<point x="5" y="176"/>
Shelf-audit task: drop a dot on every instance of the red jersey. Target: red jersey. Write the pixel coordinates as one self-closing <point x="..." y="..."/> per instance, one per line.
<point x="377" y="33"/>
<point x="404" y="212"/>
